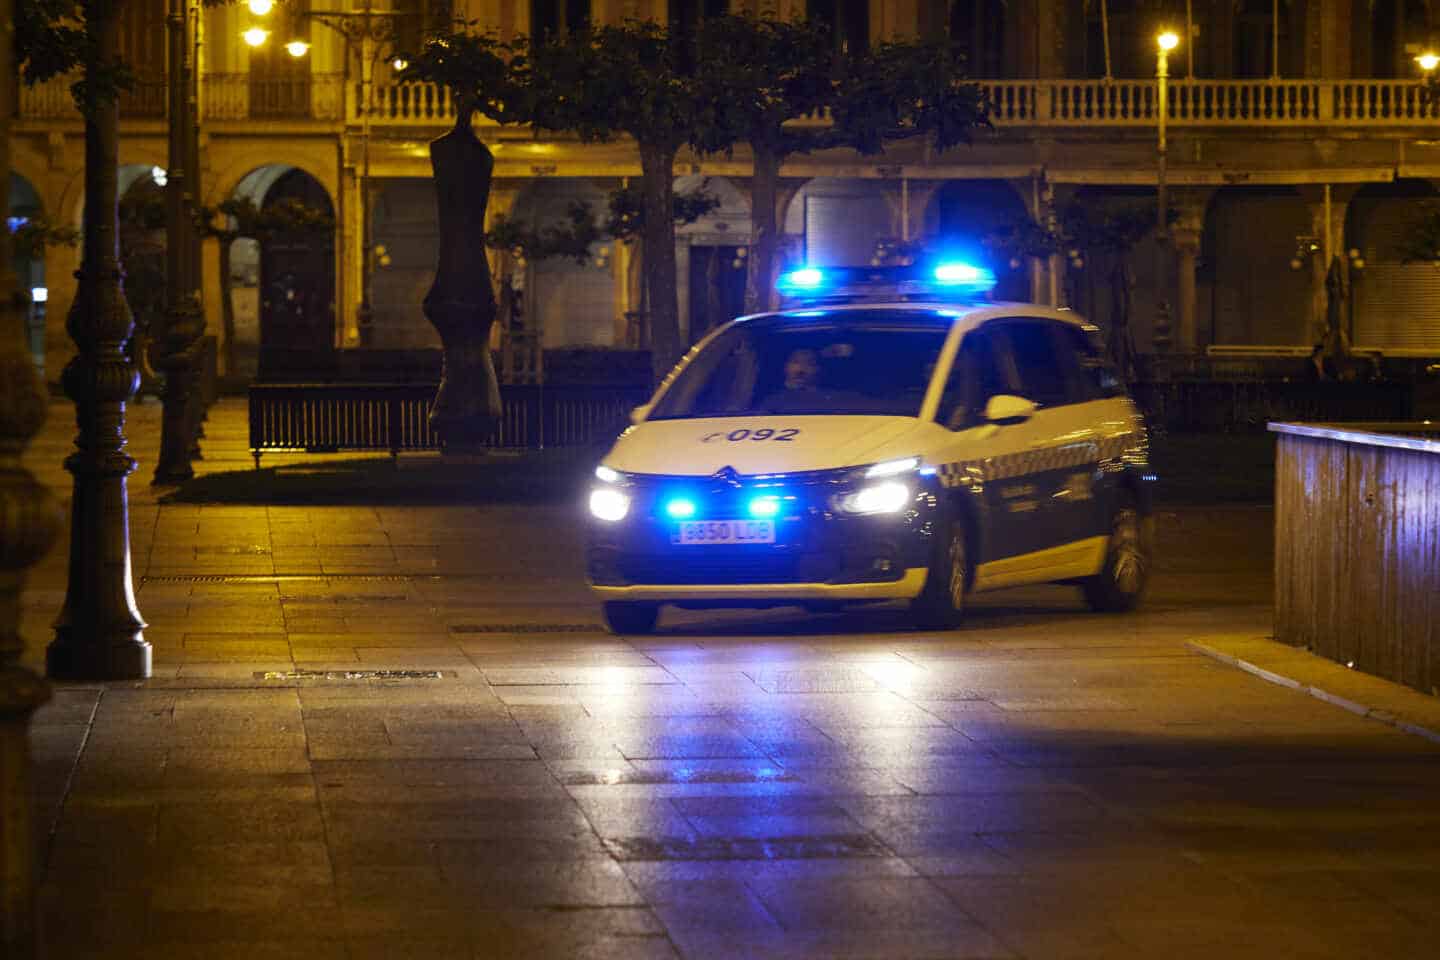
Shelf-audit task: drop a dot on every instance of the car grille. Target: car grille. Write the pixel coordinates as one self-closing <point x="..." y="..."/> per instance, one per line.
<point x="721" y="570"/>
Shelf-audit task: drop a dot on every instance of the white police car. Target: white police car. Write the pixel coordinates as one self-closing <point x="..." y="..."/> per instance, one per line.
<point x="889" y="435"/>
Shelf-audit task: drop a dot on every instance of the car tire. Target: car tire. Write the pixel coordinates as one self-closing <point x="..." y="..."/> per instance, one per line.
<point x="941" y="604"/>
<point x="628" y="617"/>
<point x="1121" y="582"/>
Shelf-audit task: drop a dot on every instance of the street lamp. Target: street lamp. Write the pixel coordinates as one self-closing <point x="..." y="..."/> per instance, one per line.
<point x="1428" y="61"/>
<point x="1164" y="43"/>
<point x="371" y="30"/>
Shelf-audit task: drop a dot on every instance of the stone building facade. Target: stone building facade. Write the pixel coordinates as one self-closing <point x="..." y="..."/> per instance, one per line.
<point x="1290" y="139"/>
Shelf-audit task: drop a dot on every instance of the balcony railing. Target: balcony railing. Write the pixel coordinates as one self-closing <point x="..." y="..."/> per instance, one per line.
<point x="224" y="96"/>
<point x="1013" y="103"/>
<point x="1365" y="103"/>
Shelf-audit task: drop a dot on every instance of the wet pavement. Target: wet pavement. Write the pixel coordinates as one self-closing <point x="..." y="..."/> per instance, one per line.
<point x="398" y="731"/>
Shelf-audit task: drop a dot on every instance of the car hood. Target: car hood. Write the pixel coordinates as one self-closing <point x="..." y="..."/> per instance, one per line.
<point x="768" y="444"/>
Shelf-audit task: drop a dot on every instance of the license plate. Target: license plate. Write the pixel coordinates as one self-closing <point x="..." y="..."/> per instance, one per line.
<point x="702" y="532"/>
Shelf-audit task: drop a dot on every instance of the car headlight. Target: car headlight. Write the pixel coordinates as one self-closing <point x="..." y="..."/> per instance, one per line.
<point x="609" y="504"/>
<point x="888" y="497"/>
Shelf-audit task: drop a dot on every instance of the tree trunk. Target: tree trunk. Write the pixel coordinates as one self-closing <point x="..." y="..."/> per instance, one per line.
<point x="658" y="183"/>
<point x="99" y="634"/>
<point x="461" y="301"/>
<point x="764" y="238"/>
<point x="227" y="306"/>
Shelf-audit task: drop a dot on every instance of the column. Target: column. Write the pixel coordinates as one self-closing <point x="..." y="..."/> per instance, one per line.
<point x="30" y="524"/>
<point x="1328" y="229"/>
<point x="1185" y="234"/>
<point x="351" y="247"/>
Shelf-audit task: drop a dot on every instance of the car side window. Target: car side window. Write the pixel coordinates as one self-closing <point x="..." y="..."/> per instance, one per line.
<point x="979" y="373"/>
<point x="1092" y="377"/>
<point x="1042" y="369"/>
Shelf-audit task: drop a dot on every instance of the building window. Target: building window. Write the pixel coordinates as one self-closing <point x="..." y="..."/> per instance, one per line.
<point x="977" y="29"/>
<point x="685" y="15"/>
<point x="848" y="20"/>
<point x="552" y="18"/>
<point x="143" y="45"/>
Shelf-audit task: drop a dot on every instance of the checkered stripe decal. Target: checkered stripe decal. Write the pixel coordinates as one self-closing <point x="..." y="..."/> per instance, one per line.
<point x="1007" y="466"/>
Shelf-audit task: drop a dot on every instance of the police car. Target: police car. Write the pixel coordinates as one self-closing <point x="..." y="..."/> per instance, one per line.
<point x="889" y="434"/>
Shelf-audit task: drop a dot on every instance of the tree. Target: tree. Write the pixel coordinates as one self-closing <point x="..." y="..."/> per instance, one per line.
<point x="757" y="77"/>
<point x="1099" y="234"/>
<point x="239" y="217"/>
<point x="635" y="79"/>
<point x="771" y="83"/>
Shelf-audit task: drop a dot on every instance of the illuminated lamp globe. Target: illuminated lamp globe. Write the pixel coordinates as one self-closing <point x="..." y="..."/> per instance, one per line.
<point x="256" y="36"/>
<point x="297" y="48"/>
<point x="1428" y="61"/>
<point x="400" y="64"/>
<point x="1168" y="40"/>
<point x="261" y="7"/>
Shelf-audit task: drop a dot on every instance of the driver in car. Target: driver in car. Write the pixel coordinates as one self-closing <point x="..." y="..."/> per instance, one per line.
<point x="802" y="380"/>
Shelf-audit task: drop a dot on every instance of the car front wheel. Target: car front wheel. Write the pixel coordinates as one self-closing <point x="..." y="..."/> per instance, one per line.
<point x="1121" y="582"/>
<point x="941" y="605"/>
<point x="628" y="617"/>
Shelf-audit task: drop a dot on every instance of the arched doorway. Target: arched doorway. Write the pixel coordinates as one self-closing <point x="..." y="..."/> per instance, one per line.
<point x="1395" y="306"/>
<point x="712" y="257"/>
<point x="23" y="208"/>
<point x="963" y="213"/>
<point x="143" y="245"/>
<point x="1246" y="248"/>
<point x="281" y="284"/>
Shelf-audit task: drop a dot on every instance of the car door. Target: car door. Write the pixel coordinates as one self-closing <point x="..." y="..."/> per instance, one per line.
<point x="1062" y="457"/>
<point x="987" y="462"/>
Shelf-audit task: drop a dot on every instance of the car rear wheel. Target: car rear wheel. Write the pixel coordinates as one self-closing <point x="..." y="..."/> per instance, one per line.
<point x="941" y="605"/>
<point x="628" y="617"/>
<point x="1121" y="582"/>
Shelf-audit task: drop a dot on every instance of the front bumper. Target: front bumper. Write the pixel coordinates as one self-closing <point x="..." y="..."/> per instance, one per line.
<point x="818" y="554"/>
<point x="906" y="588"/>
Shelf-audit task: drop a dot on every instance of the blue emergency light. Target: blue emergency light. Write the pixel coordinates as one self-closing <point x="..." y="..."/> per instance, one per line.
<point x="945" y="280"/>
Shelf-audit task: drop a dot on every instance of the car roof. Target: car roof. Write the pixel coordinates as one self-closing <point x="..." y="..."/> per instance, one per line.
<point x="968" y="315"/>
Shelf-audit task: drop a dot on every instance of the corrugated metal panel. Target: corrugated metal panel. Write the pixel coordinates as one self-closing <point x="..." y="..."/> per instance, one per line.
<point x="1258" y="298"/>
<point x="1397" y="305"/>
<point x="841" y="231"/>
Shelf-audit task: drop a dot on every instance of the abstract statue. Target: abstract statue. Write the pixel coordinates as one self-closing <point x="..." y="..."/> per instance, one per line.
<point x="461" y="302"/>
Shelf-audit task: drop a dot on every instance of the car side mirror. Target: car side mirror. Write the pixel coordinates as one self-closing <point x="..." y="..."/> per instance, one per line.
<point x="1004" y="408"/>
<point x="639" y="414"/>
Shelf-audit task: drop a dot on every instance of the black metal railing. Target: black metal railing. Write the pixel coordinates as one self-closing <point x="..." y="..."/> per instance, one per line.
<point x="334" y="417"/>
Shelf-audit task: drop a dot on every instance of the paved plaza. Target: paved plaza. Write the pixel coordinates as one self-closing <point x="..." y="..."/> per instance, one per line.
<point x="396" y="729"/>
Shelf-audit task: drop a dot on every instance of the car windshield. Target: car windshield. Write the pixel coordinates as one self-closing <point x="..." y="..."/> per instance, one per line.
<point x="843" y="362"/>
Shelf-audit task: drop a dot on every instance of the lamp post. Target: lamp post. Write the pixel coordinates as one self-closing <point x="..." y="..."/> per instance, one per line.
<point x="1165" y="42"/>
<point x="370" y="30"/>
<point x="179" y="343"/>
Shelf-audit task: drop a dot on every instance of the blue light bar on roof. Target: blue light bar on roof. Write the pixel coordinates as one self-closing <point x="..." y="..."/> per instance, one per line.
<point x="804" y="280"/>
<point x="965" y="275"/>
<point x="945" y="280"/>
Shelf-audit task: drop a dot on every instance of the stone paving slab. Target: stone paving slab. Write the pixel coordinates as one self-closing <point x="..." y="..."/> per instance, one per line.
<point x="510" y="781"/>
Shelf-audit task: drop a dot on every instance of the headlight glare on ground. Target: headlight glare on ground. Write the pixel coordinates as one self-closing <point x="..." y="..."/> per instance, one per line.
<point x="890" y="496"/>
<point x="609" y="504"/>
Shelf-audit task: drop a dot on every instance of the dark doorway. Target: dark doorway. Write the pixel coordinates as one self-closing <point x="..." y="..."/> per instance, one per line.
<point x="717" y="288"/>
<point x="297" y="279"/>
<point x="969" y="211"/>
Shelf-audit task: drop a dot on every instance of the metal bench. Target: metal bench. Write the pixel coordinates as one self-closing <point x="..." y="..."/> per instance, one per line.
<point x="335" y="417"/>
